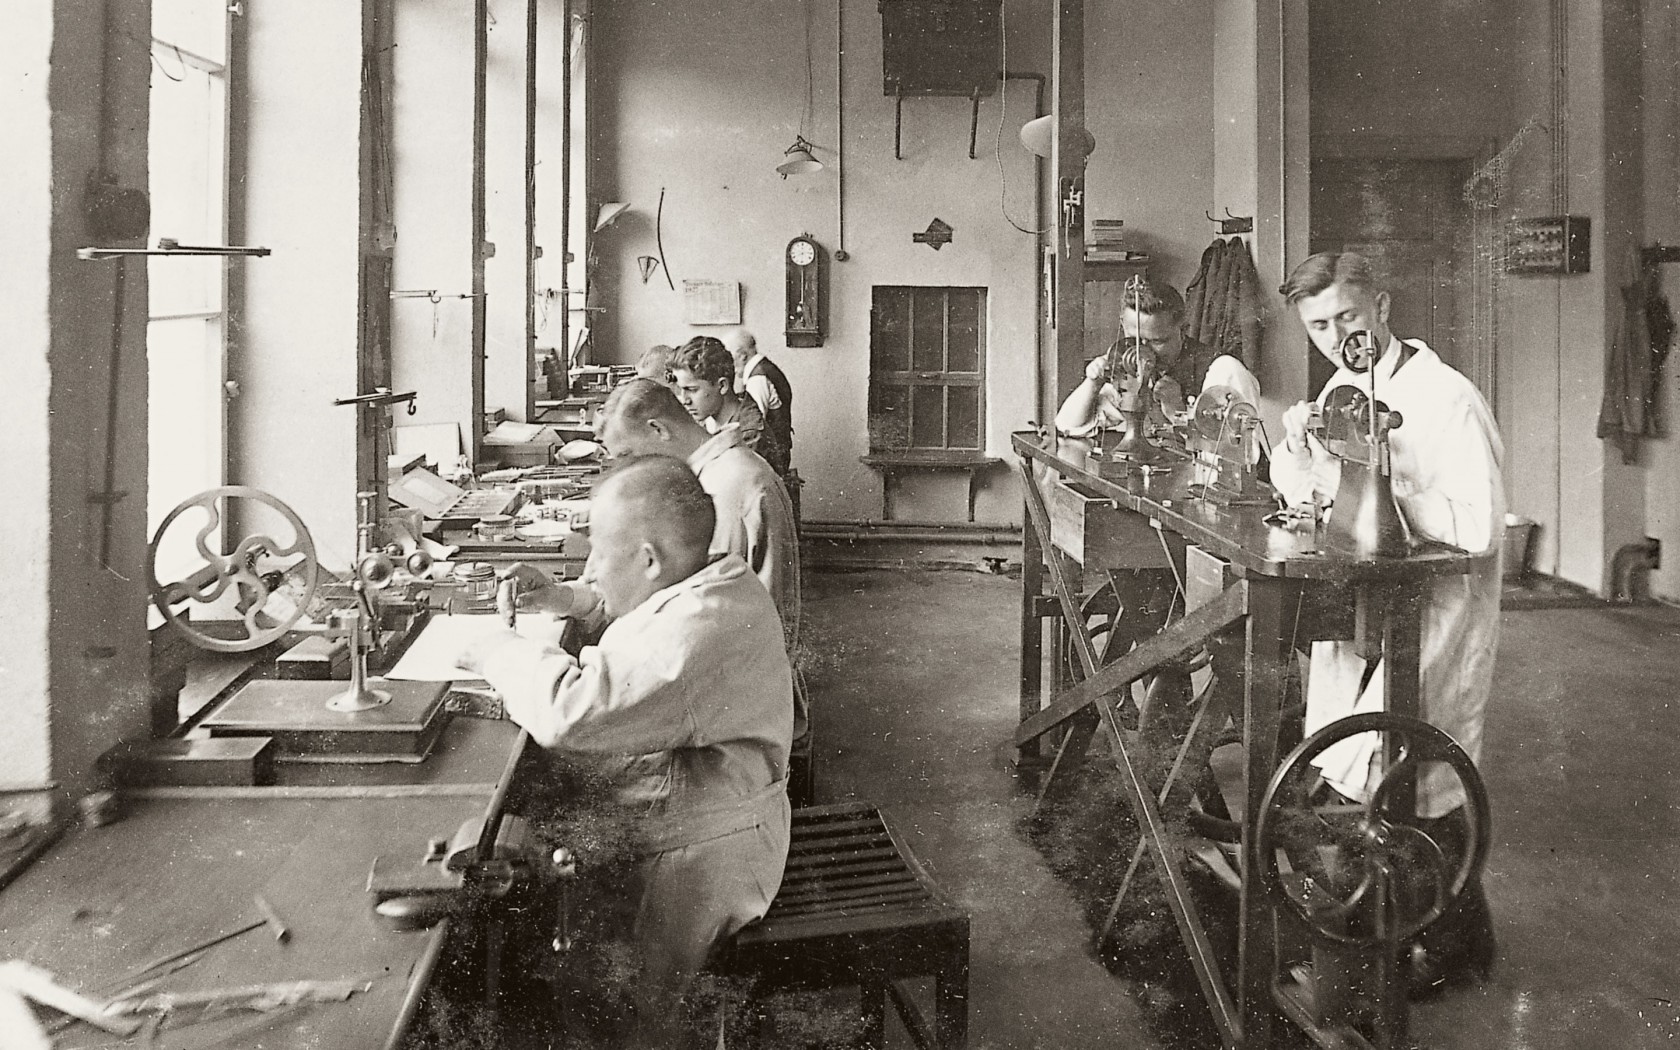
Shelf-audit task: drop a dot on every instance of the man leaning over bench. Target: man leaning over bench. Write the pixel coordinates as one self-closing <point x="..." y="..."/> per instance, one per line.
<point x="686" y="703"/>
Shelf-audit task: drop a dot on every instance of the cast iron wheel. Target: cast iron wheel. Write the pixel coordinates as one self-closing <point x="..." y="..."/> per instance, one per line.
<point x="1342" y="852"/>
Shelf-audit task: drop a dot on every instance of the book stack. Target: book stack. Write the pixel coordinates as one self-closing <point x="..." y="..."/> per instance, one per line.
<point x="1105" y="242"/>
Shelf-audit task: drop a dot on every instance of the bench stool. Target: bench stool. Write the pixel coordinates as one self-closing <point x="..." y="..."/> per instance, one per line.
<point x="855" y="908"/>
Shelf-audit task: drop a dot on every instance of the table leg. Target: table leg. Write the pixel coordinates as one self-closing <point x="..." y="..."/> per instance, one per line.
<point x="1273" y="606"/>
<point x="1032" y="628"/>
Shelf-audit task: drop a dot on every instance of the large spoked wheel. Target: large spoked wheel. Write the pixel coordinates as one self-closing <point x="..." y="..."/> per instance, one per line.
<point x="1373" y="873"/>
<point x="242" y="570"/>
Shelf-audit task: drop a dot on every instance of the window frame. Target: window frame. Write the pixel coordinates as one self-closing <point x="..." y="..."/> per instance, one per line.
<point x="911" y="379"/>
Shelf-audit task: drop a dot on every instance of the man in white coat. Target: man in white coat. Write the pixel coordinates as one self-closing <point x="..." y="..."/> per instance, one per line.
<point x="1446" y="478"/>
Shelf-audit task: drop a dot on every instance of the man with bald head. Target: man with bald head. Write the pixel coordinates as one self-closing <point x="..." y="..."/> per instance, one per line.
<point x="759" y="376"/>
<point x="685" y="704"/>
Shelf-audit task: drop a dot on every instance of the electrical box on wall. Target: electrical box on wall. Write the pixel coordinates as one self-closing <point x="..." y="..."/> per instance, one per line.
<point x="941" y="47"/>
<point x="1558" y="244"/>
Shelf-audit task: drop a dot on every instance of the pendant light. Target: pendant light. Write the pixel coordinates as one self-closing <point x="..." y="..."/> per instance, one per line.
<point x="797" y="159"/>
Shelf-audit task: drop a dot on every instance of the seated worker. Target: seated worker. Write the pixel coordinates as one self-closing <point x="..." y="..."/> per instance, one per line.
<point x="706" y="385"/>
<point x="686" y="704"/>
<point x="760" y="377"/>
<point x="1446" y="459"/>
<point x="754" y="514"/>
<point x="1153" y="316"/>
<point x="655" y="364"/>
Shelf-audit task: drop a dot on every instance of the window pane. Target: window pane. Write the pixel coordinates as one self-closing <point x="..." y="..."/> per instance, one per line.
<point x="927" y="429"/>
<point x="184" y="427"/>
<point x="196" y="26"/>
<point x="889" y="343"/>
<point x="964" y="336"/>
<point x="185" y="158"/>
<point x="928" y="330"/>
<point x="964" y="404"/>
<point x="889" y="417"/>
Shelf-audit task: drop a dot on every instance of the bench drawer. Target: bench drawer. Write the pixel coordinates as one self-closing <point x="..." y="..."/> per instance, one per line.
<point x="1093" y="531"/>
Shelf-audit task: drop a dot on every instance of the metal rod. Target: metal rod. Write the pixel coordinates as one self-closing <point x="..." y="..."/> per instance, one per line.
<point x="481" y="62"/>
<point x="113" y="407"/>
<point x="531" y="203"/>
<point x="840" y="253"/>
<point x="569" y="31"/>
<point x="97" y="253"/>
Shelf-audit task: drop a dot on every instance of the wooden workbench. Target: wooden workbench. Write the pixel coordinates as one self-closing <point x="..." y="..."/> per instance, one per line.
<point x="185" y="863"/>
<point x="1281" y="589"/>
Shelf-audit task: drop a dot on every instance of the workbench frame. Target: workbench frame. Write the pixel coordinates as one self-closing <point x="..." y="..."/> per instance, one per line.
<point x="1283" y="590"/>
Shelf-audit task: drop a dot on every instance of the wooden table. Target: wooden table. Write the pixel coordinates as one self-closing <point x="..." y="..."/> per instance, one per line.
<point x="185" y="863"/>
<point x="1282" y="589"/>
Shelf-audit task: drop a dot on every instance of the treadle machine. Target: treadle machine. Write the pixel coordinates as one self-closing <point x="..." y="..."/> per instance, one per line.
<point x="1329" y="894"/>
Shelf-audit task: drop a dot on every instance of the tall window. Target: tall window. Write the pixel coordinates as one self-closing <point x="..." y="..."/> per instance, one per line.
<point x="927" y="362"/>
<point x="186" y="337"/>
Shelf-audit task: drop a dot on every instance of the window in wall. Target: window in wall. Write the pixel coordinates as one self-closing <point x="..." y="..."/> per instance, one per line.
<point x="186" y="337"/>
<point x="927" y="363"/>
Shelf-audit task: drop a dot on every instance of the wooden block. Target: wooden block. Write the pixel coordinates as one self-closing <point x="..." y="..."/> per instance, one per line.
<point x="217" y="762"/>
<point x="314" y="659"/>
<point x="296" y="715"/>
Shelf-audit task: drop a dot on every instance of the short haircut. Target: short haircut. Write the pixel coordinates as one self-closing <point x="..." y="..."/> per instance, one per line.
<point x="1149" y="298"/>
<point x="656" y="363"/>
<point x="706" y="357"/>
<point x="664" y="498"/>
<point x="638" y="400"/>
<point x="1318" y="272"/>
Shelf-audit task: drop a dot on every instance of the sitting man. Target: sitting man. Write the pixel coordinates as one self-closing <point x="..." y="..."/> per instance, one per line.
<point x="760" y="377"/>
<point x="1445" y="459"/>
<point x="1152" y="317"/>
<point x="754" y="515"/>
<point x="655" y="364"/>
<point x="705" y="375"/>
<point x="686" y="703"/>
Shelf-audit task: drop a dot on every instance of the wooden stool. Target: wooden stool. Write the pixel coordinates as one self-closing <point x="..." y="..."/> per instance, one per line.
<point x="855" y="908"/>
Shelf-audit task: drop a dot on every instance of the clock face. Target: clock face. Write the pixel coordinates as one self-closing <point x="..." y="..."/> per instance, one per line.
<point x="801" y="253"/>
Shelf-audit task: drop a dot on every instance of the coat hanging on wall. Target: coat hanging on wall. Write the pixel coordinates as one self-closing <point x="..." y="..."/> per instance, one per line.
<point x="1224" y="304"/>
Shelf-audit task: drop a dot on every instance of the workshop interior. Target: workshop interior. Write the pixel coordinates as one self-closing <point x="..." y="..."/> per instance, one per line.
<point x="314" y="309"/>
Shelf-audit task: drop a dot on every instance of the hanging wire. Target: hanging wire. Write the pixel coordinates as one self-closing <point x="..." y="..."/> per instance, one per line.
<point x="180" y="63"/>
<point x="1003" y="109"/>
<point x="807" y="117"/>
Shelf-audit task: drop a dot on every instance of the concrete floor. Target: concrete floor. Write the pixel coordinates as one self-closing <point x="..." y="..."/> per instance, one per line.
<point x="914" y="690"/>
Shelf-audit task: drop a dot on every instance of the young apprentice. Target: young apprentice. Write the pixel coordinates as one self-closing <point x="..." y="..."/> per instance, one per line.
<point x="760" y="377"/>
<point x="706" y="385"/>
<point x="1152" y="315"/>
<point x="755" y="517"/>
<point x="1446" y="478"/>
<point x="686" y="704"/>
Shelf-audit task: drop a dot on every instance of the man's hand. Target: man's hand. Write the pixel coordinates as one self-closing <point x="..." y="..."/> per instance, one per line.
<point x="1097" y="369"/>
<point x="540" y="592"/>
<point x="1295" y="421"/>
<point x="473" y="655"/>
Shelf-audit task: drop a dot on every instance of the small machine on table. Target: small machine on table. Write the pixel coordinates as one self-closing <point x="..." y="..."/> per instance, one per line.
<point x="1330" y="895"/>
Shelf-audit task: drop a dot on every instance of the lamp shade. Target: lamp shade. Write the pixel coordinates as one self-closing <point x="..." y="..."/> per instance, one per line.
<point x="797" y="160"/>
<point x="1038" y="134"/>
<point x="608" y="213"/>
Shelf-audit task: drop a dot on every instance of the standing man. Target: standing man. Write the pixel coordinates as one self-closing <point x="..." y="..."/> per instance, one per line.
<point x="685" y="706"/>
<point x="1152" y="316"/>
<point x="760" y="377"/>
<point x="1445" y="460"/>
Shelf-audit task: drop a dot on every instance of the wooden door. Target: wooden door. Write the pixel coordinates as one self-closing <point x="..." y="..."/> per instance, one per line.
<point x="1409" y="217"/>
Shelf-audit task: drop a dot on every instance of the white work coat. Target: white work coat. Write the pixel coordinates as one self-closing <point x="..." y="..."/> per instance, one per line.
<point x="1446" y="457"/>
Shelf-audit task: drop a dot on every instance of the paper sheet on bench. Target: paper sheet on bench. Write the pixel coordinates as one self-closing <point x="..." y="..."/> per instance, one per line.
<point x="431" y="658"/>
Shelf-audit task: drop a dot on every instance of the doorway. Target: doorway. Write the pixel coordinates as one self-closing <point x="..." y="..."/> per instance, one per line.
<point x="1410" y="218"/>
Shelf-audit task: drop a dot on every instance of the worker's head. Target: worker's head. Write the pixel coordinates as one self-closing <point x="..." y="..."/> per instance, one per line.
<point x="650" y="525"/>
<point x="655" y="364"/>
<point x="1153" y="314"/>
<point x="1335" y="293"/>
<point x="705" y="376"/>
<point x="741" y="346"/>
<point x="642" y="417"/>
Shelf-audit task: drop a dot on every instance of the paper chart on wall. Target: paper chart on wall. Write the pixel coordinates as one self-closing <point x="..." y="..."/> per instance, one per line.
<point x="711" y="302"/>
<point x="431" y="657"/>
